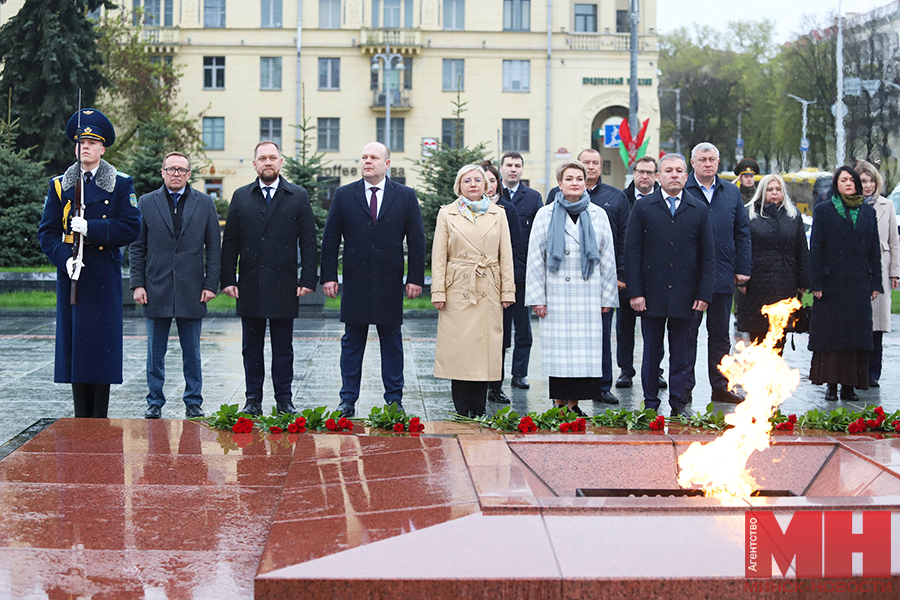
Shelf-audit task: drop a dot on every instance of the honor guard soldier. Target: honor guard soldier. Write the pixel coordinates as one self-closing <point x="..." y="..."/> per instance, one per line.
<point x="746" y="172"/>
<point x="86" y="250"/>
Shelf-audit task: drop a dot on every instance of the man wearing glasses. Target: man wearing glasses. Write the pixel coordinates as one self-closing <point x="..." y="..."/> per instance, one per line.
<point x="174" y="273"/>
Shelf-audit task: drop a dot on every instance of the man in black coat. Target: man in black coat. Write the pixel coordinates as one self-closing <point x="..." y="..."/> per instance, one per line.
<point x="267" y="221"/>
<point x="175" y="264"/>
<point x="527" y="202"/>
<point x="373" y="216"/>
<point x="731" y="229"/>
<point x="669" y="270"/>
<point x="644" y="184"/>
<point x="617" y="208"/>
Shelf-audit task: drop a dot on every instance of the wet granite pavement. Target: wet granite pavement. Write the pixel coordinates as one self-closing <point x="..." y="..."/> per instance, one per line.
<point x="27" y="391"/>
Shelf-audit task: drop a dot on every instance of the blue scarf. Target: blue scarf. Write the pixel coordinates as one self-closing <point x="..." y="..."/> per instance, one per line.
<point x="556" y="238"/>
<point x="471" y="210"/>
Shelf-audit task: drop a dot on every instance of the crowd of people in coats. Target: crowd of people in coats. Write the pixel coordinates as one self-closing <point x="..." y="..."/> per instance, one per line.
<point x="671" y="247"/>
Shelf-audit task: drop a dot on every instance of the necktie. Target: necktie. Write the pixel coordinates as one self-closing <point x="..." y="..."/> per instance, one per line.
<point x="175" y="198"/>
<point x="373" y="205"/>
<point x="87" y="177"/>
<point x="268" y="193"/>
<point x="672" y="205"/>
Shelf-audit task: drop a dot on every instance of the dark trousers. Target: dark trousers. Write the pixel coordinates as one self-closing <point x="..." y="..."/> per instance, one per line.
<point x="353" y="349"/>
<point x="254" y="338"/>
<point x="507" y="329"/>
<point x="875" y="355"/>
<point x="522" y="330"/>
<point x="653" y="330"/>
<point x="606" y="376"/>
<point x="718" y="328"/>
<point x="91" y="400"/>
<point x="626" y="319"/>
<point x="468" y="396"/>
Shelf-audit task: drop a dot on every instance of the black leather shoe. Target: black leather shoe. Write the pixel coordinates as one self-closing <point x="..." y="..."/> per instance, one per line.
<point x="848" y="394"/>
<point x="153" y="412"/>
<point x="498" y="396"/>
<point x="606" y="398"/>
<point x="577" y="411"/>
<point x="520" y="382"/>
<point x="347" y="411"/>
<point x="662" y="383"/>
<point x="683" y="411"/>
<point x="831" y="392"/>
<point x="873" y="383"/>
<point x="285" y="407"/>
<point x="726" y="396"/>
<point x="624" y="381"/>
<point x="193" y="411"/>
<point x="253" y="408"/>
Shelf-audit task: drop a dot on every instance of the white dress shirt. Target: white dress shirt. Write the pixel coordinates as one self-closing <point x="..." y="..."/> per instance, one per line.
<point x="379" y="194"/>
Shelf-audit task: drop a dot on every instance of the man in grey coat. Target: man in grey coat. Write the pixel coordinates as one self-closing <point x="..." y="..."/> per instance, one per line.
<point x="174" y="272"/>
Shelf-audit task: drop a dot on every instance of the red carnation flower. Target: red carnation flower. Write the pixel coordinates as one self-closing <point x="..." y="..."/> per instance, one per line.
<point x="792" y="418"/>
<point x="564" y="427"/>
<point x="398" y="427"/>
<point x="342" y="422"/>
<point x="896" y="425"/>
<point x="275" y="429"/>
<point x="293" y="428"/>
<point x="879" y="411"/>
<point x="301" y="421"/>
<point x="330" y="425"/>
<point x="349" y="426"/>
<point x="415" y="425"/>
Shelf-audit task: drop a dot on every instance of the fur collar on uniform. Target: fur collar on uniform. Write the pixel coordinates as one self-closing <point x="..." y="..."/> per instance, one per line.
<point x="105" y="178"/>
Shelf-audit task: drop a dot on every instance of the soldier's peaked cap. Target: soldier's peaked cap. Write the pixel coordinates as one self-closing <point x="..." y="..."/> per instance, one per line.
<point x="94" y="124"/>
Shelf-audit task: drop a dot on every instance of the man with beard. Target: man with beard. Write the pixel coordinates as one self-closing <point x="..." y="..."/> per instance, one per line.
<point x="267" y="221"/>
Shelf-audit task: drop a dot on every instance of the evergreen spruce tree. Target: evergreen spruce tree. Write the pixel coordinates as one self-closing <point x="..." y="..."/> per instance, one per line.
<point x="304" y="170"/>
<point x="49" y="52"/>
<point x="23" y="189"/>
<point x="144" y="160"/>
<point x="439" y="170"/>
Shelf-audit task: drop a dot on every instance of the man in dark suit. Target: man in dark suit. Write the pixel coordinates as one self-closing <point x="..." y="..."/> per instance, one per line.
<point x="669" y="270"/>
<point x="617" y="208"/>
<point x="644" y="184"/>
<point x="526" y="202"/>
<point x="731" y="229"/>
<point x="267" y="221"/>
<point x="373" y="216"/>
<point x="171" y="278"/>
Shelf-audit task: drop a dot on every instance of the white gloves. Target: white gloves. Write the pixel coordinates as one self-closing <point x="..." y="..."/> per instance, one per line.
<point x="70" y="266"/>
<point x="79" y="225"/>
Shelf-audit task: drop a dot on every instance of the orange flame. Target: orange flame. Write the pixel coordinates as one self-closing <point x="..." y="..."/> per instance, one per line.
<point x="720" y="467"/>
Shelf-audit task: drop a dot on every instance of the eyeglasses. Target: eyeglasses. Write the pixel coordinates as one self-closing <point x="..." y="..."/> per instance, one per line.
<point x="179" y="170"/>
<point x="643" y="172"/>
<point x="476" y="180"/>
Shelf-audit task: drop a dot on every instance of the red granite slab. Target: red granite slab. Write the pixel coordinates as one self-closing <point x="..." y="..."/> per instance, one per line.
<point x="845" y="474"/>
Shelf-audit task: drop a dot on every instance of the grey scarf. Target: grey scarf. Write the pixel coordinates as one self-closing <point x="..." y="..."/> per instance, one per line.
<point x="556" y="239"/>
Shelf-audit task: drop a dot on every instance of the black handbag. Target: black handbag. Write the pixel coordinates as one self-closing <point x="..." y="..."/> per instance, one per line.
<point x="799" y="320"/>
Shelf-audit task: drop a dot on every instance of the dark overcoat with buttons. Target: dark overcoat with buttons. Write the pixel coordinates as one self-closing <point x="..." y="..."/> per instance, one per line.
<point x="263" y="241"/>
<point x="527" y="203"/>
<point x="670" y="260"/>
<point x="89" y="334"/>
<point x="372" y="289"/>
<point x="175" y="270"/>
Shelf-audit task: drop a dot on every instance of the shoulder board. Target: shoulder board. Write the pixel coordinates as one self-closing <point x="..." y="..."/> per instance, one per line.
<point x="57" y="178"/>
<point x="121" y="174"/>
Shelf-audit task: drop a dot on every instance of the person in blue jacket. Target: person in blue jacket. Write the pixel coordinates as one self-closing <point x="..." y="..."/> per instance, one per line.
<point x="89" y="333"/>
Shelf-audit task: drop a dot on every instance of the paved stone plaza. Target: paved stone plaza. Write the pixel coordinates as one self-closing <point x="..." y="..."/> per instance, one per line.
<point x="27" y="391"/>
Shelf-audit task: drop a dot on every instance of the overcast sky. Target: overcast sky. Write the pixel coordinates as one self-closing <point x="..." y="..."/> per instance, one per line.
<point x="788" y="14"/>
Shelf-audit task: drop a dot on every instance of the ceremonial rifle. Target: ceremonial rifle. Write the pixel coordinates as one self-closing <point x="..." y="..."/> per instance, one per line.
<point x="78" y="211"/>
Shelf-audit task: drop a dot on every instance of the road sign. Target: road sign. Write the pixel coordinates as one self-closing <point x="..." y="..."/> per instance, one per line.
<point x="611" y="136"/>
<point x="804" y="144"/>
<point x="844" y="110"/>
<point x="740" y="142"/>
<point x="429" y="145"/>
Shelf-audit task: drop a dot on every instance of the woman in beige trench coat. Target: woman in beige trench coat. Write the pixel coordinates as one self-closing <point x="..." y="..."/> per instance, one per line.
<point x="872" y="184"/>
<point x="472" y="282"/>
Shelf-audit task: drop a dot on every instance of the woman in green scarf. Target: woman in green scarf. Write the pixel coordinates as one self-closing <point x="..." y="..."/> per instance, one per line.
<point x="845" y="276"/>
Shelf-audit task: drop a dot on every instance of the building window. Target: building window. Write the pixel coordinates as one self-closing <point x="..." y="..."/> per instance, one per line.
<point x="271" y="14"/>
<point x="328" y="184"/>
<point x="270" y="73"/>
<point x="213" y="133"/>
<point x="214" y="13"/>
<point x="586" y="18"/>
<point x="622" y="25"/>
<point x="270" y="129"/>
<point x="213" y="72"/>
<point x="407" y="72"/>
<point x="515" y="135"/>
<point x="454" y="74"/>
<point x="448" y="132"/>
<point x="516" y="75"/>
<point x="156" y="12"/>
<point x="517" y="15"/>
<point x="213" y="188"/>
<point x="329" y="14"/>
<point x="329" y="135"/>
<point x="397" y="128"/>
<point x="329" y="73"/>
<point x="391" y="17"/>
<point x="454" y="15"/>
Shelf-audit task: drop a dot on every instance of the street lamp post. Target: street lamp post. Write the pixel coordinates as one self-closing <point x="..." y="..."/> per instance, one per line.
<point x="389" y="60"/>
<point x="677" y="93"/>
<point x="804" y="141"/>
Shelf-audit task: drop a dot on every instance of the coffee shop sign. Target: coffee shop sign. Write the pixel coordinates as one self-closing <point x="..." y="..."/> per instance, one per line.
<point x="612" y="81"/>
<point x="213" y="170"/>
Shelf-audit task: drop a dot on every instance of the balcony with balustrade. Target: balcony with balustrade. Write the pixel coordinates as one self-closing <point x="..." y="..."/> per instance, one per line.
<point x="405" y="41"/>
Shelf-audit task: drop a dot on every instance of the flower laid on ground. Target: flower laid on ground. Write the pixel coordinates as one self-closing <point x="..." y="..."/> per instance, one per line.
<point x="393" y="417"/>
<point x="398" y="427"/>
<point x="579" y="425"/>
<point x="243" y="425"/>
<point x="658" y="423"/>
<point x="415" y="425"/>
<point x="896" y="426"/>
<point x="345" y="424"/>
<point x="275" y="429"/>
<point x="526" y="425"/>
<point x="858" y="426"/>
<point x="298" y="426"/>
<point x="330" y="424"/>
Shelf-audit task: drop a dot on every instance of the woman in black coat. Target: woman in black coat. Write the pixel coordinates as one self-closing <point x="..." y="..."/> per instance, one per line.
<point x="780" y="256"/>
<point x="845" y="276"/>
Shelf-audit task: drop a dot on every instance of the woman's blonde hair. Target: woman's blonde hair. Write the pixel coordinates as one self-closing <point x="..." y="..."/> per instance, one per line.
<point x="759" y="197"/>
<point x="864" y="167"/>
<point x="466" y="169"/>
<point x="570" y="164"/>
